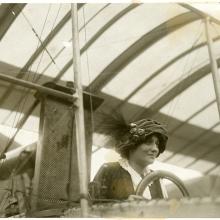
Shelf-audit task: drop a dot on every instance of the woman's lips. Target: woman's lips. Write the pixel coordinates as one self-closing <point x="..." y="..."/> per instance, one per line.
<point x="151" y="155"/>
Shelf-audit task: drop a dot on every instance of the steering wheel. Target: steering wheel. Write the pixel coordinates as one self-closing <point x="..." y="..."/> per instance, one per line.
<point x="159" y="174"/>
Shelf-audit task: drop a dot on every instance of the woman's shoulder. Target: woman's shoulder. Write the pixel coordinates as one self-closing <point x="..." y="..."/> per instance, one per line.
<point x="111" y="169"/>
<point x="111" y="165"/>
<point x="108" y="169"/>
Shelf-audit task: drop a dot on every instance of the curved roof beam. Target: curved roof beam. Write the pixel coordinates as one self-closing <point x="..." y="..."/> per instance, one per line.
<point x="138" y="47"/>
<point x="192" y="141"/>
<point x="22" y="72"/>
<point x="54" y="32"/>
<point x="108" y="25"/>
<point x="203" y="155"/>
<point x="8" y="14"/>
<point x="202" y="14"/>
<point x="62" y="49"/>
<point x="177" y="89"/>
<point x="165" y="66"/>
<point x="192" y="116"/>
<point x="189" y="143"/>
<point x="95" y="37"/>
<point x="88" y="44"/>
<point x="47" y="40"/>
<point x="34" y="56"/>
<point x="98" y="34"/>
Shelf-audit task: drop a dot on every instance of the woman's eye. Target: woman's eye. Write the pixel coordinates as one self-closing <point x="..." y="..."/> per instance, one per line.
<point x="157" y="142"/>
<point x="151" y="141"/>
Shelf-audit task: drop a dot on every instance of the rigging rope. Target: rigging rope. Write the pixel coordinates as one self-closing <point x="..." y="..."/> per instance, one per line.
<point x="39" y="38"/>
<point x="89" y="77"/>
<point x="154" y="31"/>
<point x="39" y="75"/>
<point x="20" y="164"/>
<point x="137" y="113"/>
<point x="217" y="165"/>
<point x="63" y="48"/>
<point x="35" y="80"/>
<point x="28" y="71"/>
<point x="42" y="54"/>
<point x="25" y="97"/>
<point x="189" y="143"/>
<point x="184" y="75"/>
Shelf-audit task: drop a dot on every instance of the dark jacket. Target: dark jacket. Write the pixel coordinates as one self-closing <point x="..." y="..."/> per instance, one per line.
<point x="114" y="182"/>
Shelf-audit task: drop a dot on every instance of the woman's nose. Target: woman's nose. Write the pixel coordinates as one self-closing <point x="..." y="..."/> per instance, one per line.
<point x="154" y="147"/>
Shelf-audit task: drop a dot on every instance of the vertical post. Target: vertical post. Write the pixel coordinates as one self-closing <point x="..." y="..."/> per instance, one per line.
<point x="79" y="116"/>
<point x="214" y="67"/>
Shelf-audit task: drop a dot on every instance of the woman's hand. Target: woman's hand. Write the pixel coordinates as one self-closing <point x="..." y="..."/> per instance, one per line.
<point x="136" y="197"/>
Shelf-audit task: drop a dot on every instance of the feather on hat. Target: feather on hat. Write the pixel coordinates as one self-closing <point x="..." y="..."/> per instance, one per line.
<point x="126" y="135"/>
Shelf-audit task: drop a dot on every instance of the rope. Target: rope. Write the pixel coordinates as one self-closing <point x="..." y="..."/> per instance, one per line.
<point x="35" y="79"/>
<point x="19" y="166"/>
<point x="39" y="75"/>
<point x="20" y="105"/>
<point x="177" y="100"/>
<point x="42" y="54"/>
<point x="39" y="38"/>
<point x="216" y="179"/>
<point x="63" y="48"/>
<point x="57" y="53"/>
<point x="25" y="97"/>
<point x="89" y="77"/>
<point x="188" y="144"/>
<point x="136" y="114"/>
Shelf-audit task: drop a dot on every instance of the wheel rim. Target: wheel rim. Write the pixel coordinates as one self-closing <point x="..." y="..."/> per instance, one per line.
<point x="159" y="174"/>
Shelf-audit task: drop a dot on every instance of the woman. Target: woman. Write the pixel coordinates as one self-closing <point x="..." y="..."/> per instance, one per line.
<point x="139" y="144"/>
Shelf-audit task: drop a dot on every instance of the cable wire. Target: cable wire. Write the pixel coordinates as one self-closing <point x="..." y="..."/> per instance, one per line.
<point x="38" y="37"/>
<point x="25" y="97"/>
<point x="89" y="77"/>
<point x="184" y="75"/>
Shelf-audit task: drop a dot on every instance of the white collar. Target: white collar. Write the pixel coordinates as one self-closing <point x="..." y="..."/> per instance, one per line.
<point x="135" y="176"/>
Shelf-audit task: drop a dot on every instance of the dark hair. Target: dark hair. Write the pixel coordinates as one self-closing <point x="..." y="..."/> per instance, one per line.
<point x="128" y="136"/>
<point x="133" y="145"/>
<point x="138" y="132"/>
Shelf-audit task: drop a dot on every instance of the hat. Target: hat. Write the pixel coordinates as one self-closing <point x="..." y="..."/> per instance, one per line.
<point x="140" y="130"/>
<point x="127" y="135"/>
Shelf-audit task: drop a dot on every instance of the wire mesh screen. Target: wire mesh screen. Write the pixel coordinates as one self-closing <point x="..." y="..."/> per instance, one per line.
<point x="56" y="179"/>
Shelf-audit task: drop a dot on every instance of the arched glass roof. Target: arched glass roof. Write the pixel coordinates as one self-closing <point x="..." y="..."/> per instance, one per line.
<point x="146" y="60"/>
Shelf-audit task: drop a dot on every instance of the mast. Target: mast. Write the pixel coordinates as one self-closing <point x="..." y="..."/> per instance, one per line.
<point x="79" y="116"/>
<point x="214" y="66"/>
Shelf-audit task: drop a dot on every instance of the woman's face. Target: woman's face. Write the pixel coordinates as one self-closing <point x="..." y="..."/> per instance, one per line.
<point x="146" y="152"/>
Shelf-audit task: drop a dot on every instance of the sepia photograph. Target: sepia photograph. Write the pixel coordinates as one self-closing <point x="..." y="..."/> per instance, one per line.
<point x="110" y="109"/>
